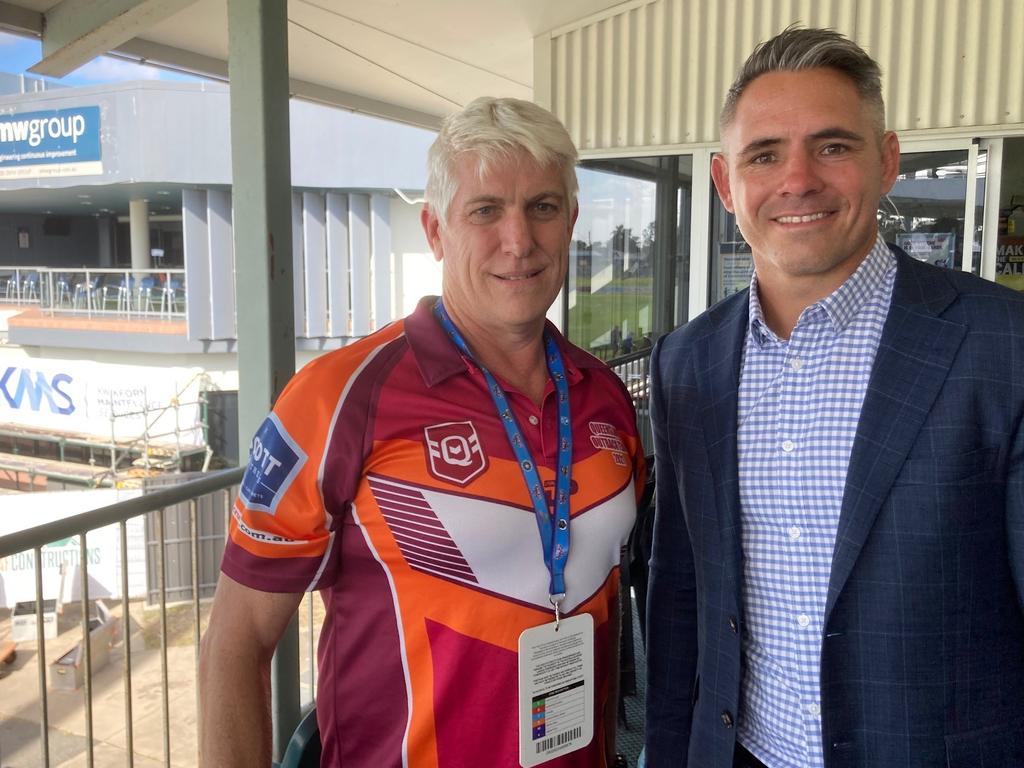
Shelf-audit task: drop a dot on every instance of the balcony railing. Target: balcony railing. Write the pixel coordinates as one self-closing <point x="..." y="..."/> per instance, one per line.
<point x="179" y="543"/>
<point x="139" y="293"/>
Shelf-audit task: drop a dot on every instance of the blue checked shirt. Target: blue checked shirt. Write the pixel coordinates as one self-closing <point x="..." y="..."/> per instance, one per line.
<point x="799" y="404"/>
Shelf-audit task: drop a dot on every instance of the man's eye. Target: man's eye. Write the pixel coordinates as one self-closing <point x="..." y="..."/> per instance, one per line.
<point x="763" y="159"/>
<point x="545" y="209"/>
<point x="834" y="149"/>
<point x="483" y="211"/>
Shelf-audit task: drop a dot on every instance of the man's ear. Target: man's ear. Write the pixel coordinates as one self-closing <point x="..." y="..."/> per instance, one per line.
<point x="890" y="160"/>
<point x="572" y="218"/>
<point x="720" y="175"/>
<point x="432" y="229"/>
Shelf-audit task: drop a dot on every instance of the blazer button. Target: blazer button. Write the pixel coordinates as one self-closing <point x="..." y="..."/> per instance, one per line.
<point x="727" y="719"/>
<point x="733" y="625"/>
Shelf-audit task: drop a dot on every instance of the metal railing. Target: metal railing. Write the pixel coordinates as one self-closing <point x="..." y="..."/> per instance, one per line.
<point x="139" y="293"/>
<point x="220" y="485"/>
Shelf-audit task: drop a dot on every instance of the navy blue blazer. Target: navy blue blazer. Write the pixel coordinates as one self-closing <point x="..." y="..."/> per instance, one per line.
<point x="922" y="661"/>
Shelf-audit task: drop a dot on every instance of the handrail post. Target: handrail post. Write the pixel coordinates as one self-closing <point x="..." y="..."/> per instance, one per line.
<point x="44" y="706"/>
<point x="83" y="569"/>
<point x="261" y="203"/>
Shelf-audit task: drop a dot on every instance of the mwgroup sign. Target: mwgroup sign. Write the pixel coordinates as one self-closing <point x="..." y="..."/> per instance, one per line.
<point x="57" y="142"/>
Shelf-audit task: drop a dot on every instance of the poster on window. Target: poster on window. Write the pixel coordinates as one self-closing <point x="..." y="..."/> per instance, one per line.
<point x="938" y="248"/>
<point x="1010" y="262"/>
<point x="735" y="267"/>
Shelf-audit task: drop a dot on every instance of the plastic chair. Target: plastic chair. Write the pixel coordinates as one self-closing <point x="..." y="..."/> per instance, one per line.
<point x="121" y="293"/>
<point x="304" y="746"/>
<point x="63" y="290"/>
<point x="85" y="292"/>
<point x="170" y="296"/>
<point x="144" y="298"/>
<point x="30" y="287"/>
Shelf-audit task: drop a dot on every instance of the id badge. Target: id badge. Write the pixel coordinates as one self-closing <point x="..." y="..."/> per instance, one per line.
<point x="556" y="689"/>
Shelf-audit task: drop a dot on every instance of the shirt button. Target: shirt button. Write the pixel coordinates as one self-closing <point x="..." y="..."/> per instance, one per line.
<point x="727" y="719"/>
<point x="788" y="446"/>
<point x="734" y="625"/>
<point x="803" y="620"/>
<point x="534" y="420"/>
<point x="814" y="710"/>
<point x="796" y="363"/>
<point x="794" y="532"/>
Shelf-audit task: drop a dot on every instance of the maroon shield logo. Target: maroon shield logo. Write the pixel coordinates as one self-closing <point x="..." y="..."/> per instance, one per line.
<point x="454" y="451"/>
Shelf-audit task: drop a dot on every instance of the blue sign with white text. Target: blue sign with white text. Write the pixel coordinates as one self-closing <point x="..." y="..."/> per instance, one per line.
<point x="56" y="137"/>
<point x="274" y="461"/>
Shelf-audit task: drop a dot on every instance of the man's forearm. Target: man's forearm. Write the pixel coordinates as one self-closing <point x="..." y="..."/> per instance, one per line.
<point x="235" y="727"/>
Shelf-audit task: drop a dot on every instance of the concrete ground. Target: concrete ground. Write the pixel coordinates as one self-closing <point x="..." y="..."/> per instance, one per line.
<point x="20" y="735"/>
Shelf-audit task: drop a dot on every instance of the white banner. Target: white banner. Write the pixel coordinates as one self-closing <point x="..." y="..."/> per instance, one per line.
<point x="62" y="577"/>
<point x="103" y="400"/>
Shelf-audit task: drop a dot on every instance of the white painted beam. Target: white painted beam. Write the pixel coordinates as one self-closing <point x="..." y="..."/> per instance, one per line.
<point x="14" y="18"/>
<point x="77" y="31"/>
<point x="167" y="56"/>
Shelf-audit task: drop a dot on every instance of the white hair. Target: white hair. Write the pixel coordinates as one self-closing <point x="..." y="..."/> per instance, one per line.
<point x="494" y="130"/>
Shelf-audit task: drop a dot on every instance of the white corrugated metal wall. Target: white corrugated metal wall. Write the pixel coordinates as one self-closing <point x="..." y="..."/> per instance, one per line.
<point x="651" y="75"/>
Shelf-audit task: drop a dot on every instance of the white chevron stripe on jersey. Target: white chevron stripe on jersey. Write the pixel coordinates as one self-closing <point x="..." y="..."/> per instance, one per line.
<point x="500" y="544"/>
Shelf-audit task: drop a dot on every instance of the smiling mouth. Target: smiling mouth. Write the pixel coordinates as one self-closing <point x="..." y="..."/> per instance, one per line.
<point x="522" y="276"/>
<point x="804" y="219"/>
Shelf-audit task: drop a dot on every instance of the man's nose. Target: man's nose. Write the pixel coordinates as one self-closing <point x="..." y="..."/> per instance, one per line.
<point x="800" y="174"/>
<point x="516" y="234"/>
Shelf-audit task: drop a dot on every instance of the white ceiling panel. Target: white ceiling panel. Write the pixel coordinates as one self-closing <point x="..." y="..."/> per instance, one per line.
<point x="405" y="59"/>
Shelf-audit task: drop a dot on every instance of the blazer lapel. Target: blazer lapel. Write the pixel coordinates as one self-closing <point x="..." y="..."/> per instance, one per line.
<point x="914" y="357"/>
<point x="718" y="381"/>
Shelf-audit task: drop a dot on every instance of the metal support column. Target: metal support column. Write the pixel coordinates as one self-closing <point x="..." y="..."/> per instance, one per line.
<point x="261" y="194"/>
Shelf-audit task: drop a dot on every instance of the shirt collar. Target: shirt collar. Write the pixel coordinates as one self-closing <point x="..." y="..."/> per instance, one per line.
<point x="843" y="304"/>
<point x="438" y="359"/>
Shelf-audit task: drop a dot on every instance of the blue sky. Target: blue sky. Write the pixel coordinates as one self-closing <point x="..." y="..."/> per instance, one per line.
<point x="19" y="53"/>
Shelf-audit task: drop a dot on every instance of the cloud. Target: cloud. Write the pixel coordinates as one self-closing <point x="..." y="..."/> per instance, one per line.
<point x="105" y="69"/>
<point x="8" y="39"/>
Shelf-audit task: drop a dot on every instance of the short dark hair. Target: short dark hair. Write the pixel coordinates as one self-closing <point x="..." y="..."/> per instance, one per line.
<point x="796" y="49"/>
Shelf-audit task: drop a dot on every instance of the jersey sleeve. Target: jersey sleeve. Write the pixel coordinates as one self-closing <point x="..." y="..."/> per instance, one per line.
<point x="280" y="535"/>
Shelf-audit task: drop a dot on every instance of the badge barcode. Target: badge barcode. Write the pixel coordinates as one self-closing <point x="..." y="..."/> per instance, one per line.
<point x="559" y="739"/>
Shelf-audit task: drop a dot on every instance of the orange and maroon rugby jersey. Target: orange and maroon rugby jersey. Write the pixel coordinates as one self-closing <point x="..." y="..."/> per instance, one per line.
<point x="384" y="478"/>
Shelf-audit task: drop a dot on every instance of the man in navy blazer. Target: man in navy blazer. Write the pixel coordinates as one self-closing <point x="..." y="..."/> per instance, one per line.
<point x="837" y="575"/>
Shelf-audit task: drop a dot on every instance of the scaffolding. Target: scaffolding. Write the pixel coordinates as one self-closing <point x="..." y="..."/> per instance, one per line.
<point x="163" y="445"/>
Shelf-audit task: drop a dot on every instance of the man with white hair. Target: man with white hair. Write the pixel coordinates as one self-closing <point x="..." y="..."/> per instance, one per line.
<point x="426" y="479"/>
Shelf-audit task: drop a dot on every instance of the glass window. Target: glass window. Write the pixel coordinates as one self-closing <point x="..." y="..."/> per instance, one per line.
<point x="924" y="214"/>
<point x="731" y="262"/>
<point x="1010" y="233"/>
<point x="629" y="260"/>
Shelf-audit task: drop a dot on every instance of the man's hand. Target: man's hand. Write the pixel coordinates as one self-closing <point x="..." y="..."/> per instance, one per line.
<point x="234" y="674"/>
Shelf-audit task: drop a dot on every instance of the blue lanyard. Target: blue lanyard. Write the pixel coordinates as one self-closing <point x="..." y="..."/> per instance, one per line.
<point x="554" y="534"/>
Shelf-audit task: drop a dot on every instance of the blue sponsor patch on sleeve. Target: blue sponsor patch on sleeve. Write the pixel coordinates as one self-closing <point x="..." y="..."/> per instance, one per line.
<point x="274" y="461"/>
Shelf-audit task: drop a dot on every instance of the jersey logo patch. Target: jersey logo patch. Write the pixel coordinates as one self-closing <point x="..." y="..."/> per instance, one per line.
<point x="605" y="437"/>
<point x="454" y="451"/>
<point x="274" y="461"/>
